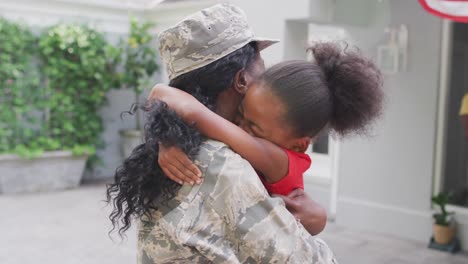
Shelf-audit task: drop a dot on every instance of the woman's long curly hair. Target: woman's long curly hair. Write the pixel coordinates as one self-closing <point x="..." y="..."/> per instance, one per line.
<point x="139" y="182"/>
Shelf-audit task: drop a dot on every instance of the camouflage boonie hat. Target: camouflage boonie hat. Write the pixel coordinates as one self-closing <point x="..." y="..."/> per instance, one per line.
<point x="205" y="37"/>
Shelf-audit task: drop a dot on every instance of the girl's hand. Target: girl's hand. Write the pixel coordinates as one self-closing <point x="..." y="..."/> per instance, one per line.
<point x="309" y="213"/>
<point x="177" y="166"/>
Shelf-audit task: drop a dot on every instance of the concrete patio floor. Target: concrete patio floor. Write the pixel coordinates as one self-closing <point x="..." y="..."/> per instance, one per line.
<point x="71" y="226"/>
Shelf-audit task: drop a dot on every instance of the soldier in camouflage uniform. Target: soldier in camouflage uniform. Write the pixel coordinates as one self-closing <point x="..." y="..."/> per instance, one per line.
<point x="229" y="218"/>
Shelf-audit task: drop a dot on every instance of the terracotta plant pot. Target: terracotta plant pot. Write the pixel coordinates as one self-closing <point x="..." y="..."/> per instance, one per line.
<point x="443" y="234"/>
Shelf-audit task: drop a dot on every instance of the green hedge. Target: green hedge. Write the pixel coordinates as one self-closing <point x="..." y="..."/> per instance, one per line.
<point x="20" y="92"/>
<point x="52" y="86"/>
<point x="139" y="60"/>
<point x="79" y="68"/>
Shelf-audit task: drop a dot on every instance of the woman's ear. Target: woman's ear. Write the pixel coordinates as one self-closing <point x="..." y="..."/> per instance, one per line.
<point x="241" y="82"/>
<point x="300" y="144"/>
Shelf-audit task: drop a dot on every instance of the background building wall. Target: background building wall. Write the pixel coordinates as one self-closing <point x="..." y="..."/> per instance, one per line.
<point x="386" y="181"/>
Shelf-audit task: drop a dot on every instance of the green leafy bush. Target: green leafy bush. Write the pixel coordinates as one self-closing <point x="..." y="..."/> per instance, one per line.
<point x="139" y="59"/>
<point x="20" y="93"/>
<point x="79" y="67"/>
<point x="52" y="87"/>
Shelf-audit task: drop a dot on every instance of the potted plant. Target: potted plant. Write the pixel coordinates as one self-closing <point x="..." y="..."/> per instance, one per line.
<point x="140" y="64"/>
<point x="52" y="89"/>
<point x="444" y="223"/>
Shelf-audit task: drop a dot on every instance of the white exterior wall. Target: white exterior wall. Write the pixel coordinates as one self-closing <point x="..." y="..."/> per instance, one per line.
<point x="267" y="18"/>
<point x="385" y="182"/>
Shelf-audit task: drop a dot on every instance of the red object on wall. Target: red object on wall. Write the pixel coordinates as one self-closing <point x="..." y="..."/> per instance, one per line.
<point x="456" y="10"/>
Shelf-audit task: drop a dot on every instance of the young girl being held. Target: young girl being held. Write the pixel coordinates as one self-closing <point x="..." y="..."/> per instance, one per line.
<point x="287" y="107"/>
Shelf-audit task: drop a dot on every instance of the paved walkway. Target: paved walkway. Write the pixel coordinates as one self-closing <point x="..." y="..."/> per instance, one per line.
<point x="354" y="247"/>
<point x="71" y="227"/>
<point x="64" y="227"/>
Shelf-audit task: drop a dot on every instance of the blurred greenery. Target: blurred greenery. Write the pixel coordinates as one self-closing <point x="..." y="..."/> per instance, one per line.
<point x="79" y="67"/>
<point x="20" y="94"/>
<point x="442" y="200"/>
<point x="139" y="59"/>
<point x="52" y="87"/>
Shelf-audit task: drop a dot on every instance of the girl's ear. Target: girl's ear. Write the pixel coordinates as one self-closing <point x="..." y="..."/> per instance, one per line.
<point x="300" y="144"/>
<point x="241" y="81"/>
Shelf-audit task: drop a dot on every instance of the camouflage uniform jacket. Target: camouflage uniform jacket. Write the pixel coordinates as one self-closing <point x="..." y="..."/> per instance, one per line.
<point x="229" y="218"/>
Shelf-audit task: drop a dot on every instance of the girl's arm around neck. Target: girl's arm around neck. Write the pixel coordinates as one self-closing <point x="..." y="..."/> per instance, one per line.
<point x="264" y="156"/>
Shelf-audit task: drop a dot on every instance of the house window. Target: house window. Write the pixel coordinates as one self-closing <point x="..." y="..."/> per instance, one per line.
<point x="321" y="144"/>
<point x="320" y="153"/>
<point x="320" y="170"/>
